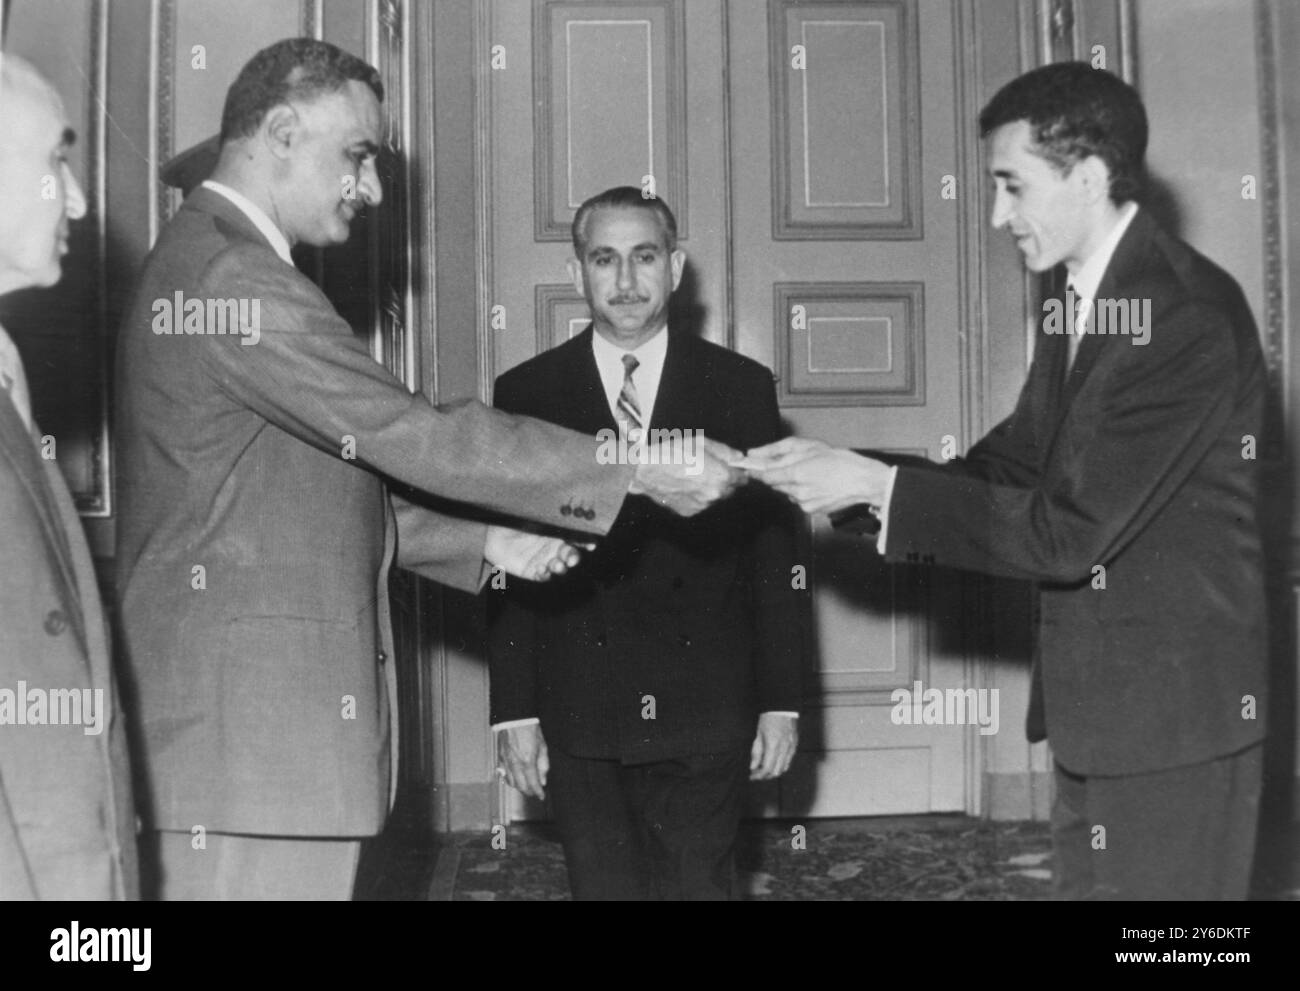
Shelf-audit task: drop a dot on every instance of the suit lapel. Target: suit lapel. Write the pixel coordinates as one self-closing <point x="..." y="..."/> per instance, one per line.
<point x="1125" y="265"/>
<point x="677" y="390"/>
<point x="19" y="447"/>
<point x="89" y="616"/>
<point x="1046" y="382"/>
<point x="583" y="392"/>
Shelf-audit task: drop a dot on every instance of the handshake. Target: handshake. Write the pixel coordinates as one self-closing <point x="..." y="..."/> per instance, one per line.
<point x="816" y="476"/>
<point x="820" y="478"/>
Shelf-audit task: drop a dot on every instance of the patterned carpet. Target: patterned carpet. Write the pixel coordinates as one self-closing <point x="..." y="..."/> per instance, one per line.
<point x="940" y="858"/>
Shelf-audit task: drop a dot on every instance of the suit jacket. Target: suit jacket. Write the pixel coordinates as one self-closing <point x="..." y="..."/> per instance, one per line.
<point x="699" y="613"/>
<point x="256" y="533"/>
<point x="67" y="822"/>
<point x="1136" y="464"/>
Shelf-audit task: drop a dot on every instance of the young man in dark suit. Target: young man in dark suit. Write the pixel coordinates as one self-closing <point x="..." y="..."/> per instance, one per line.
<point x="644" y="689"/>
<point x="1124" y="485"/>
<point x="256" y="531"/>
<point x="67" y="821"/>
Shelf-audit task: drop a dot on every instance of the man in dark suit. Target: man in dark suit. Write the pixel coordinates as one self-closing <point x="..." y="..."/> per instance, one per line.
<point x="644" y="688"/>
<point x="1124" y="485"/>
<point x="67" y="822"/>
<point x="256" y="532"/>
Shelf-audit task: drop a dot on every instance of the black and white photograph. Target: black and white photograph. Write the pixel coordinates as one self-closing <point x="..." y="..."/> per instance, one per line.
<point x="650" y="450"/>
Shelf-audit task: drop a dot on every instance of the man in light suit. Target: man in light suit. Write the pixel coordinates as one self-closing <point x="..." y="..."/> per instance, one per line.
<point x="67" y="822"/>
<point x="256" y="531"/>
<point x="1124" y="485"/>
<point x="643" y="689"/>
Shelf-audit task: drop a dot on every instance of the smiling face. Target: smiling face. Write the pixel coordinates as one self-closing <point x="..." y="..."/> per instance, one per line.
<point x="627" y="274"/>
<point x="38" y="193"/>
<point x="1053" y="216"/>
<point x="329" y="148"/>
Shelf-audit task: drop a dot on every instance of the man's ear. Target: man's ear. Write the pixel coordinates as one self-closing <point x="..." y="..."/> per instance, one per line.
<point x="1095" y="175"/>
<point x="280" y="129"/>
<point x="575" y="273"/>
<point x="678" y="259"/>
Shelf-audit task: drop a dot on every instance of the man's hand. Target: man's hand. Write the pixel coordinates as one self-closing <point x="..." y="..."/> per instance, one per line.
<point x="820" y="478"/>
<point x="687" y="486"/>
<point x="774" y="746"/>
<point x="521" y="753"/>
<point x="528" y="555"/>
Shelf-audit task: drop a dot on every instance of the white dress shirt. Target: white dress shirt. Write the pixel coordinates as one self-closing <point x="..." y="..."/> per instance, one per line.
<point x="649" y="370"/>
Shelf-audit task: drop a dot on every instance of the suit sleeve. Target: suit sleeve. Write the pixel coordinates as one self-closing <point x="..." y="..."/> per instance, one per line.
<point x="310" y="376"/>
<point x="442" y="548"/>
<point x="1165" y="405"/>
<point x="1006" y="455"/>
<point x="780" y="611"/>
<point x="513" y="627"/>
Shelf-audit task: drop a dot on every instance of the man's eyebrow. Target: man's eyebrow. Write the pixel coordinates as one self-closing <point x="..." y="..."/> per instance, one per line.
<point x="648" y="246"/>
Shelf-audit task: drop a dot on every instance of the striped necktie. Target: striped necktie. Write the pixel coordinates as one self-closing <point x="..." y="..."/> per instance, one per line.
<point x="628" y="409"/>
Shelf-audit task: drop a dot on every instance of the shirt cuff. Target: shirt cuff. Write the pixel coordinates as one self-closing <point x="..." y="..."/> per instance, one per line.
<point x="512" y="723"/>
<point x="883" y="512"/>
<point x="775" y="712"/>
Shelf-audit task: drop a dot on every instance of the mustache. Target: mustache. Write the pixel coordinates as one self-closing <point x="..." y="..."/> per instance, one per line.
<point x="624" y="298"/>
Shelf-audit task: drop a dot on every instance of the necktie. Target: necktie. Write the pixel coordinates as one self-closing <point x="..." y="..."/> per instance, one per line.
<point x="13" y="380"/>
<point x="1081" y="313"/>
<point x="628" y="409"/>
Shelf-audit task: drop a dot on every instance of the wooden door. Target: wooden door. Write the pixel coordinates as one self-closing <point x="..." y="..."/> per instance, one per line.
<point x="846" y="164"/>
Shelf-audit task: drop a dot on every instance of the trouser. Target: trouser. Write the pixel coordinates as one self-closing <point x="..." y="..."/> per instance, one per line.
<point x="235" y="867"/>
<point x="1185" y="834"/>
<point x="659" y="831"/>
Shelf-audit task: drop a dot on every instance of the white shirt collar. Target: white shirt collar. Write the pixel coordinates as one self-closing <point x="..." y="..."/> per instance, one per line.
<point x="650" y="368"/>
<point x="1087" y="280"/>
<point x="258" y="216"/>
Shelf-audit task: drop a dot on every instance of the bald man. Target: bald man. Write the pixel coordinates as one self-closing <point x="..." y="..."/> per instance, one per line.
<point x="67" y="825"/>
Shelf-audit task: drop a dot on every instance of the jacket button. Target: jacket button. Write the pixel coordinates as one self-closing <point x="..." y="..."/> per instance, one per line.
<point x="600" y="640"/>
<point x="684" y="640"/>
<point x="382" y="657"/>
<point x="55" y="622"/>
<point x="591" y="514"/>
<point x="566" y="510"/>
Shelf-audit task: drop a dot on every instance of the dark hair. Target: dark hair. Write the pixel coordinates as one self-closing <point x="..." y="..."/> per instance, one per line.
<point x="623" y="196"/>
<point x="294" y="69"/>
<point x="1075" y="111"/>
